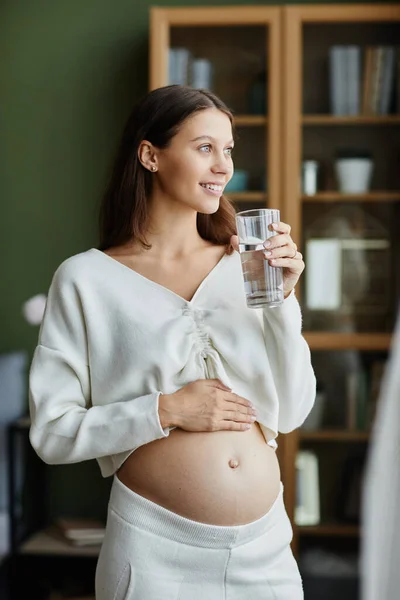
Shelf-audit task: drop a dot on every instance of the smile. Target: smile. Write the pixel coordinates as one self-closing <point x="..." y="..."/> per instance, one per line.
<point x="215" y="190"/>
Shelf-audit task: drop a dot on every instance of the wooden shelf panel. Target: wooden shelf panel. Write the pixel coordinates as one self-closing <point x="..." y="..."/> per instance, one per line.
<point x="333" y="196"/>
<point x="247" y="196"/>
<point x="347" y="341"/>
<point x="329" y="529"/>
<point x="44" y="544"/>
<point x="358" y="120"/>
<point x="332" y="435"/>
<point x="250" y="120"/>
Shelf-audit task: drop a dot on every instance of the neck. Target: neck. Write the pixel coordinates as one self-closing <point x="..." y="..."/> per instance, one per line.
<point x="172" y="230"/>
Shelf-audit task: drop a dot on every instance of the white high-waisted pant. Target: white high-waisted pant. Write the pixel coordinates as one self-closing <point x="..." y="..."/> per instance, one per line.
<point x="151" y="553"/>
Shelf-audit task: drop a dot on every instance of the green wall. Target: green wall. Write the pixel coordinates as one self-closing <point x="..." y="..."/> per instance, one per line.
<point x="69" y="73"/>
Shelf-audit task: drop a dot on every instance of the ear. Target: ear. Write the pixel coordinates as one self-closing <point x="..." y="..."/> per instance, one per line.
<point x="147" y="156"/>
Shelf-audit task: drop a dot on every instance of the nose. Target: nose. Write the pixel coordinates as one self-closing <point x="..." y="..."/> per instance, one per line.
<point x="222" y="165"/>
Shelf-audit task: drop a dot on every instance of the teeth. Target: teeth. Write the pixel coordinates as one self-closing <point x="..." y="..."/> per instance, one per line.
<point x="217" y="188"/>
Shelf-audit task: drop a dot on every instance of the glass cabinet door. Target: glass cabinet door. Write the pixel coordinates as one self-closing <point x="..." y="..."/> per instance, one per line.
<point x="234" y="53"/>
<point x="351" y="156"/>
<point x="342" y="190"/>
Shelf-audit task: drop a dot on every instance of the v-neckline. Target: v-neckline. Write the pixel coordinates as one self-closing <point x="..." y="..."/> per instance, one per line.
<point x="159" y="285"/>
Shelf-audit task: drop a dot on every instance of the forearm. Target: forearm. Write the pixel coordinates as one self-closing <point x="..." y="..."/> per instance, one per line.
<point x="289" y="358"/>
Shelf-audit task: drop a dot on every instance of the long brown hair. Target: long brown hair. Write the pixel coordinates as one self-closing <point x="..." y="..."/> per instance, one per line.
<point x="157" y="118"/>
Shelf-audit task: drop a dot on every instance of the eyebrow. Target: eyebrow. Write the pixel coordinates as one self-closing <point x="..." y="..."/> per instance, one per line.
<point x="207" y="137"/>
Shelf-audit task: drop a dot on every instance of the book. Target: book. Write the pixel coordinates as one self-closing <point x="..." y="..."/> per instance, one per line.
<point x="368" y="58"/>
<point x="351" y="401"/>
<point x="79" y="532"/>
<point x="377" y="78"/>
<point x="179" y="61"/>
<point x="338" y="80"/>
<point x="353" y="55"/>
<point x="375" y="381"/>
<point x="357" y="397"/>
<point x="398" y="80"/>
<point x="388" y="79"/>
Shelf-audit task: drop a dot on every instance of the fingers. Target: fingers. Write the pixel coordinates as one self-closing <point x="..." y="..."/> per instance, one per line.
<point x="232" y="426"/>
<point x="218" y="384"/>
<point x="281" y="227"/>
<point x="239" y="400"/>
<point x="238" y="416"/>
<point x="295" y="264"/>
<point x="288" y="251"/>
<point x="279" y="241"/>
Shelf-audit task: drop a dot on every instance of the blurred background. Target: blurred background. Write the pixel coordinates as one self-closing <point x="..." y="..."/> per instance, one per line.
<point x="315" y="89"/>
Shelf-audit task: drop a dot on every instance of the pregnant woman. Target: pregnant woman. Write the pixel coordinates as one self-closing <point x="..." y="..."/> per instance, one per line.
<point x="150" y="361"/>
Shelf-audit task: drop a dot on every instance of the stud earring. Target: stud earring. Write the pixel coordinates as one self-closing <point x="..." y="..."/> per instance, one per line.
<point x="153" y="168"/>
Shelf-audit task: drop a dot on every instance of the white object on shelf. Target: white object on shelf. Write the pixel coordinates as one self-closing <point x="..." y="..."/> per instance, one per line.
<point x="324" y="274"/>
<point x="354" y="174"/>
<point x="307" y="510"/>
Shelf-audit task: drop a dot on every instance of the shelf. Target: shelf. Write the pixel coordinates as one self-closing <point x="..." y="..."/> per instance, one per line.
<point x="331" y="529"/>
<point x="43" y="543"/>
<point x="250" y="120"/>
<point x="58" y="596"/>
<point x="247" y="196"/>
<point x="347" y="341"/>
<point x="334" y="435"/>
<point x="358" y="120"/>
<point x="333" y="196"/>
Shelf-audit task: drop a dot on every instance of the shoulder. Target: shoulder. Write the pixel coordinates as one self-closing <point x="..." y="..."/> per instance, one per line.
<point x="75" y="269"/>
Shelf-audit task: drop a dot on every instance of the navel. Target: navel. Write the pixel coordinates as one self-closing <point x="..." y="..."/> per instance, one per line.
<point x="233" y="463"/>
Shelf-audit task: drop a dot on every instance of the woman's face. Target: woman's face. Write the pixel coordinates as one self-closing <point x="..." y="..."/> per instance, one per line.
<point x="197" y="164"/>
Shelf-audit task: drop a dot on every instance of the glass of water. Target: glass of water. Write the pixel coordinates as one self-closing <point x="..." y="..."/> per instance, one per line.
<point x="263" y="284"/>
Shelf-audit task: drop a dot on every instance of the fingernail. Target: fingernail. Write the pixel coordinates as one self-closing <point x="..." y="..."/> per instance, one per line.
<point x="267" y="253"/>
<point x="266" y="244"/>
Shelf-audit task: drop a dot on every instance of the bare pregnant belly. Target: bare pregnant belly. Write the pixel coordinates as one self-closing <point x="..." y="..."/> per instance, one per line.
<point x="219" y="478"/>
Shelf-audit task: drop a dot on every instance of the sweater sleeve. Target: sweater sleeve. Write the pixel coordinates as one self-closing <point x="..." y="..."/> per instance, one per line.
<point x="65" y="427"/>
<point x="290" y="360"/>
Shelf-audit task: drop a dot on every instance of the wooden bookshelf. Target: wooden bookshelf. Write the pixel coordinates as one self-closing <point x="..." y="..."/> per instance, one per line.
<point x="332" y="196"/>
<point x="42" y="543"/>
<point x="328" y="529"/>
<point x="333" y="121"/>
<point x="297" y="125"/>
<point x="334" y="436"/>
<point x="309" y="131"/>
<point x="347" y="341"/>
<point x="250" y="120"/>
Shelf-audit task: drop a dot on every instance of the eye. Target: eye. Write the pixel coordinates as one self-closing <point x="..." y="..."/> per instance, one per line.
<point x="229" y="150"/>
<point x="206" y="147"/>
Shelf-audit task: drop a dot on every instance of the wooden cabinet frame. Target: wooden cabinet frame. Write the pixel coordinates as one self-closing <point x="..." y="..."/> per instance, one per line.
<point x="285" y="123"/>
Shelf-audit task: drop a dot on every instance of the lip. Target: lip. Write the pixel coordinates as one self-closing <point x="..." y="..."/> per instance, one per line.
<point x="214" y="193"/>
<point x="212" y="183"/>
